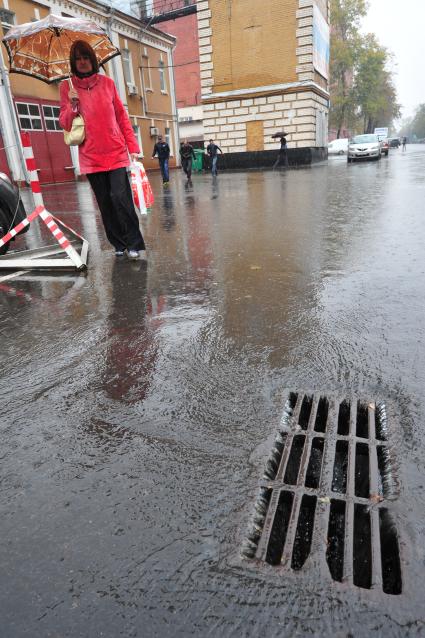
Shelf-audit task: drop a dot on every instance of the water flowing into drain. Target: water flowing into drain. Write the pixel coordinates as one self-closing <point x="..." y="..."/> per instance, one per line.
<point x="324" y="448"/>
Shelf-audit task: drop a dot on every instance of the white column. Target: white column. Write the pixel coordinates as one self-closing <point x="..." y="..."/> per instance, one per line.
<point x="175" y="127"/>
<point x="10" y="127"/>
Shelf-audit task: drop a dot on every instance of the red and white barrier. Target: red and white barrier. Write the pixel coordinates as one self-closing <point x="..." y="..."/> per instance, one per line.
<point x="51" y="222"/>
<point x="31" y="168"/>
<point x="12" y="233"/>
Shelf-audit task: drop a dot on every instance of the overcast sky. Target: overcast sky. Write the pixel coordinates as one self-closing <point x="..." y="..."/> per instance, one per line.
<point x="400" y="26"/>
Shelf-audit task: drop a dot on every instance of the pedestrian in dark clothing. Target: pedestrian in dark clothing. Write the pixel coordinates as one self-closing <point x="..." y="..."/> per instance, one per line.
<point x="404" y="142"/>
<point x="186" y="155"/>
<point x="212" y="150"/>
<point x="103" y="155"/>
<point x="162" y="150"/>
<point x="283" y="153"/>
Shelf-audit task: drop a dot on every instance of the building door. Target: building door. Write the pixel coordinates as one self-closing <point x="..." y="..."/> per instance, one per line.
<point x="321" y="129"/>
<point x="52" y="156"/>
<point x="255" y="135"/>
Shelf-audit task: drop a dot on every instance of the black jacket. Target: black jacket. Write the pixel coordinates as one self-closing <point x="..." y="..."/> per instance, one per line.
<point x="212" y="150"/>
<point x="162" y="150"/>
<point x="186" y="152"/>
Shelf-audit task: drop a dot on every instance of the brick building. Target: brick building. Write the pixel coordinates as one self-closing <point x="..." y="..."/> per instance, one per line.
<point x="264" y="69"/>
<point x="178" y="17"/>
<point x="142" y="75"/>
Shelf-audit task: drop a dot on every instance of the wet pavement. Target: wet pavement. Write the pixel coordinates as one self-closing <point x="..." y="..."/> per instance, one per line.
<point x="140" y="402"/>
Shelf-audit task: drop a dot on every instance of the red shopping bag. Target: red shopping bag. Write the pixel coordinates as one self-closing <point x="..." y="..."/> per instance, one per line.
<point x="136" y="173"/>
<point x="147" y="190"/>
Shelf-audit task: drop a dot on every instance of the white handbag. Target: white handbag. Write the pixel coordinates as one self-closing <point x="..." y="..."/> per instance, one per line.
<point x="77" y="134"/>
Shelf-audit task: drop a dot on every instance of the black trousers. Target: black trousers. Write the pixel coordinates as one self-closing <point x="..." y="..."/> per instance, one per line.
<point x="113" y="195"/>
<point x="282" y="158"/>
<point x="187" y="166"/>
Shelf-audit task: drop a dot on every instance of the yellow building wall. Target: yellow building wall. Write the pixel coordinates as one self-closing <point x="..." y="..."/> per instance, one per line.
<point x="156" y="109"/>
<point x="253" y="43"/>
<point x="159" y="105"/>
<point x="23" y="85"/>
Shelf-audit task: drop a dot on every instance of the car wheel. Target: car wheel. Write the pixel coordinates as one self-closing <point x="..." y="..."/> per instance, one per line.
<point x="341" y="153"/>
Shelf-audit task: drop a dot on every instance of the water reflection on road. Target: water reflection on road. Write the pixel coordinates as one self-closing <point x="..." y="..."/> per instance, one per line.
<point x="137" y="400"/>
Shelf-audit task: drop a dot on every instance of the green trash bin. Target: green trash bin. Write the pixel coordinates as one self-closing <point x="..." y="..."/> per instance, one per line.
<point x="197" y="164"/>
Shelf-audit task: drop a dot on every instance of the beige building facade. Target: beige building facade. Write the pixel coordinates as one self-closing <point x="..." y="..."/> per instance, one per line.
<point x="142" y="73"/>
<point x="264" y="69"/>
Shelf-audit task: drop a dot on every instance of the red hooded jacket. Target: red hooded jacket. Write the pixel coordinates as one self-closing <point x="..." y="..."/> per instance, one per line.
<point x="109" y="135"/>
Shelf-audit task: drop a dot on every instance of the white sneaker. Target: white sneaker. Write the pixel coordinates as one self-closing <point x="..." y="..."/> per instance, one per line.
<point x="133" y="254"/>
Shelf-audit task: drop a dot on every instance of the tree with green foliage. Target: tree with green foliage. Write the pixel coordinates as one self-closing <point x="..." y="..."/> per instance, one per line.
<point x="414" y="127"/>
<point x="362" y="93"/>
<point x="345" y="46"/>
<point x="374" y="90"/>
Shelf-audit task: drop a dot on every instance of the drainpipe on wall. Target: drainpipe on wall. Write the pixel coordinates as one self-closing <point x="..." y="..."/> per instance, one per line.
<point x="175" y="111"/>
<point x="13" y="147"/>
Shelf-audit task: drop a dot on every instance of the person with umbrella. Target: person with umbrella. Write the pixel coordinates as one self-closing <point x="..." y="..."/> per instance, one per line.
<point x="103" y="155"/>
<point x="49" y="50"/>
<point x="283" y="151"/>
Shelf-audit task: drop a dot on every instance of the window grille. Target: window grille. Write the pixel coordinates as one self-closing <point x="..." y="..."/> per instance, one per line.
<point x="29" y="116"/>
<point x="51" y="117"/>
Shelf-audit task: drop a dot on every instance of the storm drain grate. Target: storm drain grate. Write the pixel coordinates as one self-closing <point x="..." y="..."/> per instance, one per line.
<point x="330" y="477"/>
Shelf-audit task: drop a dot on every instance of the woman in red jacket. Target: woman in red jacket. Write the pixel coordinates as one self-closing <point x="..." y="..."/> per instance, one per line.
<point x="103" y="155"/>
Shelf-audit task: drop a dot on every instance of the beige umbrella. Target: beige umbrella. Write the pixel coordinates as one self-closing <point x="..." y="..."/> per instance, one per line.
<point x="41" y="49"/>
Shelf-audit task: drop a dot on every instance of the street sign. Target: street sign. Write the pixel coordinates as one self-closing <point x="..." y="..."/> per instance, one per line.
<point x="381" y="132"/>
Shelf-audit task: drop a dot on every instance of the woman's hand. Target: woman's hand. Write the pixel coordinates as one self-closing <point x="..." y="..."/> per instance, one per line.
<point x="72" y="94"/>
<point x="134" y="156"/>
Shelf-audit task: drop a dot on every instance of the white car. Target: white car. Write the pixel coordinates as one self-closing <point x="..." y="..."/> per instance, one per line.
<point x="364" y="147"/>
<point x="338" y="147"/>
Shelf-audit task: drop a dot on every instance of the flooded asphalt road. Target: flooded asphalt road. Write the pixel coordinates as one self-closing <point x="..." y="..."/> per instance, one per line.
<point x="139" y="403"/>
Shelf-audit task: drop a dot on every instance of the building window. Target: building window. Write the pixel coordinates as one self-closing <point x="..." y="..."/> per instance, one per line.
<point x="7" y="19"/>
<point x="29" y="116"/>
<point x="162" y="77"/>
<point x="147" y="80"/>
<point x="127" y="66"/>
<point x="51" y="117"/>
<point x="138" y="135"/>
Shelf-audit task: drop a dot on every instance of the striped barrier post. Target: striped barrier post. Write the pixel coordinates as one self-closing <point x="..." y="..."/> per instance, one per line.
<point x="32" y="169"/>
<point x="40" y="210"/>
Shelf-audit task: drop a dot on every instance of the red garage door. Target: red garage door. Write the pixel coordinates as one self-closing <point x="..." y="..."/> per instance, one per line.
<point x="52" y="156"/>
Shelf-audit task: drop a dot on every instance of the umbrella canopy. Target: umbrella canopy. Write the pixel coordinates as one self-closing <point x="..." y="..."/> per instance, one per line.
<point x="41" y="49"/>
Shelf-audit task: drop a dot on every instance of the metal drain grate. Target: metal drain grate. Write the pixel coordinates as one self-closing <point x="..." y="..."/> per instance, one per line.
<point x="329" y="476"/>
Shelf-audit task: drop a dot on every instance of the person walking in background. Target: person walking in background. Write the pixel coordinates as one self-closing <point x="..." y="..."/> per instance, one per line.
<point x="404" y="142"/>
<point x="283" y="153"/>
<point x="104" y="154"/>
<point x="162" y="150"/>
<point x="212" y="150"/>
<point x="186" y="155"/>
